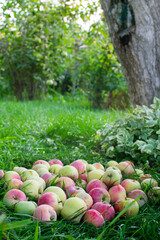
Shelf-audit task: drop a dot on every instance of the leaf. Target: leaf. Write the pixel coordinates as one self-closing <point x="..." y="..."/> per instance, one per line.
<point x="19" y="224"/>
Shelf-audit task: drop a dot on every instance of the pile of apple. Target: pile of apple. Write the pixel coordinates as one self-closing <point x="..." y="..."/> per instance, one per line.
<point x="79" y="191"/>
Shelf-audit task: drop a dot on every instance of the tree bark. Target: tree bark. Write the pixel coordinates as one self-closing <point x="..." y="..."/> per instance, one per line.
<point x="137" y="46"/>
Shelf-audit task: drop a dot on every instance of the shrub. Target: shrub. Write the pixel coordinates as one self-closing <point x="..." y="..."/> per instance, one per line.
<point x="137" y="137"/>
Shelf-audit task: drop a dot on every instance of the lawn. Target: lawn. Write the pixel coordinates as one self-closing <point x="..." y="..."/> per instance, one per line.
<point x="50" y="129"/>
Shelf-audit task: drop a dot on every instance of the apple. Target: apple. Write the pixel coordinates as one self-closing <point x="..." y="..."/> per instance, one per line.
<point x="138" y="172"/>
<point x="85" y="197"/>
<point x="45" y="213"/>
<point x="38" y="166"/>
<point x="19" y="170"/>
<point x="130" y="163"/>
<point x="9" y="175"/>
<point x="100" y="195"/>
<point x="154" y="193"/>
<point x="55" y="168"/>
<point x="144" y="176"/>
<point x="84" y="161"/>
<point x="80" y="166"/>
<point x="131" y="211"/>
<point x="149" y="183"/>
<point x="83" y="177"/>
<point x="81" y="183"/>
<point x="90" y="168"/>
<point x="95" y="174"/>
<point x="135" y="194"/>
<point x="32" y="188"/>
<point x="42" y="171"/>
<point x="52" y="179"/>
<point x="105" y="209"/>
<point x="13" y="196"/>
<point x="14" y="184"/>
<point x="130" y="185"/>
<point x="94" y="184"/>
<point x="73" y="189"/>
<point x="41" y="181"/>
<point x="29" y="174"/>
<point x="126" y="168"/>
<point x="98" y="166"/>
<point x="55" y="161"/>
<point x="42" y="162"/>
<point x="1" y="173"/>
<point x="94" y="218"/>
<point x="117" y="192"/>
<point x="46" y="177"/>
<point x="69" y="171"/>
<point x="114" y="168"/>
<point x="111" y="177"/>
<point x="59" y="191"/>
<point x="64" y="182"/>
<point x="52" y="199"/>
<point x="25" y="207"/>
<point x="73" y="209"/>
<point x="111" y="163"/>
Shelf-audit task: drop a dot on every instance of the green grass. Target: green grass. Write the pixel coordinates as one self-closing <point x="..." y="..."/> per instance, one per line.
<point x="44" y="130"/>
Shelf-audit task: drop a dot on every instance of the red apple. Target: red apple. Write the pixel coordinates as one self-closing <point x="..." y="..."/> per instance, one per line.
<point x="45" y="213"/>
<point x="100" y="195"/>
<point x="46" y="176"/>
<point x="117" y="192"/>
<point x="42" y="162"/>
<point x="64" y="182"/>
<point x="105" y="209"/>
<point x="55" y="161"/>
<point x="52" y="199"/>
<point x="94" y="184"/>
<point x="80" y="166"/>
<point x="13" y="196"/>
<point x="136" y="193"/>
<point x="93" y="217"/>
<point x="1" y="173"/>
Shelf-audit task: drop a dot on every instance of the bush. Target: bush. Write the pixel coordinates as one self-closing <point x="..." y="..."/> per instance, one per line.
<point x="136" y="138"/>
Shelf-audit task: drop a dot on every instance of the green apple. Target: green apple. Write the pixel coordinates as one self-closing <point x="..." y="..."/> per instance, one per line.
<point x="55" y="168"/>
<point x="95" y="174"/>
<point x="29" y="174"/>
<point x="38" y="166"/>
<point x="73" y="209"/>
<point x="32" y="188"/>
<point x="69" y="171"/>
<point x="25" y="207"/>
<point x="131" y="211"/>
<point x="111" y="163"/>
<point x="111" y="177"/>
<point x="59" y="191"/>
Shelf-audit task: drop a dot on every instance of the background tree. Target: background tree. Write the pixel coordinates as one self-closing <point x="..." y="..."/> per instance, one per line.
<point x="134" y="28"/>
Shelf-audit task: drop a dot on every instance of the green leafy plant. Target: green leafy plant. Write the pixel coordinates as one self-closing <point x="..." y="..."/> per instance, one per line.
<point x="137" y="137"/>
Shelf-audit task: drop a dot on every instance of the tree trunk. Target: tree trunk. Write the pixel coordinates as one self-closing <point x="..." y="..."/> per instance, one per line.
<point x="134" y="26"/>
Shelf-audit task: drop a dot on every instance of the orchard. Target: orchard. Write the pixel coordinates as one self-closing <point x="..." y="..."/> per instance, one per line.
<point x="79" y="192"/>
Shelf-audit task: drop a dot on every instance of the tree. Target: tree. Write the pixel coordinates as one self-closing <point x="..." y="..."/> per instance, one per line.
<point x="135" y="32"/>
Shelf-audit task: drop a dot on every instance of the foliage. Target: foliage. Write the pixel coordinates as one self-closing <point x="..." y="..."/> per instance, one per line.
<point x="44" y="49"/>
<point x="137" y="137"/>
